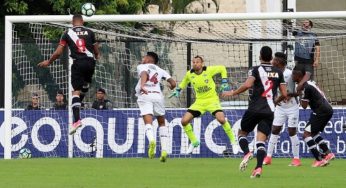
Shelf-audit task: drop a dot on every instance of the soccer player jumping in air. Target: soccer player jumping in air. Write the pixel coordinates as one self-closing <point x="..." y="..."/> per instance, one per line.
<point x="151" y="101"/>
<point x="207" y="99"/>
<point x="84" y="50"/>
<point x="322" y="112"/>
<point x="264" y="80"/>
<point x="285" y="110"/>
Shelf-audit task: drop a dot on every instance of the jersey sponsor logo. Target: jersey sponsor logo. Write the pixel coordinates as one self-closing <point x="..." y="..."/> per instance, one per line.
<point x="82" y="33"/>
<point x="272" y="75"/>
<point x="203" y="89"/>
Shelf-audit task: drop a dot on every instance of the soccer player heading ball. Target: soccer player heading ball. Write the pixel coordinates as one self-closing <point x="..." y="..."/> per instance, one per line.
<point x="151" y="101"/>
<point x="207" y="99"/>
<point x="84" y="50"/>
<point x="264" y="80"/>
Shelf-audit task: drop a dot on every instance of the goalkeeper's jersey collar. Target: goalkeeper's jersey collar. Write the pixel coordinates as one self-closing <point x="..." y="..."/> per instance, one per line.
<point x="204" y="68"/>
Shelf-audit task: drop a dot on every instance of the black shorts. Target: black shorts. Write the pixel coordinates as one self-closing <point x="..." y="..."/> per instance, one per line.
<point x="317" y="123"/>
<point x="251" y="119"/>
<point x="82" y="72"/>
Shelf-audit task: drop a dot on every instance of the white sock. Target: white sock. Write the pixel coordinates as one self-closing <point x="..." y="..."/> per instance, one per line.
<point x="149" y="132"/>
<point x="295" y="146"/>
<point x="272" y="143"/>
<point x="163" y="131"/>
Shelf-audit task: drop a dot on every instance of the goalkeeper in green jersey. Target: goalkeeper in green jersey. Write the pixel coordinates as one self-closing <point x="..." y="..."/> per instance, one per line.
<point x="207" y="100"/>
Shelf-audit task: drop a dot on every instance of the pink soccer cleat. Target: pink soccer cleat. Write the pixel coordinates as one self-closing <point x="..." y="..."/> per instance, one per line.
<point x="320" y="163"/>
<point x="256" y="173"/>
<point x="267" y="160"/>
<point x="295" y="162"/>
<point x="75" y="126"/>
<point x="329" y="156"/>
<point x="245" y="161"/>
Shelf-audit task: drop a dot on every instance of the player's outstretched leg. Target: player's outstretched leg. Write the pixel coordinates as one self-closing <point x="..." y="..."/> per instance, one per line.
<point x="229" y="132"/>
<point x="152" y="144"/>
<point x="295" y="150"/>
<point x="163" y="130"/>
<point x="244" y="145"/>
<point x="319" y="162"/>
<point x="326" y="153"/>
<point x="261" y="153"/>
<point x="273" y="140"/>
<point x="76" y="114"/>
<point x="191" y="135"/>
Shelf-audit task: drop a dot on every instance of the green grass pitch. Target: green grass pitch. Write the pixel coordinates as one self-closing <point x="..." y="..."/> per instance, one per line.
<point x="175" y="173"/>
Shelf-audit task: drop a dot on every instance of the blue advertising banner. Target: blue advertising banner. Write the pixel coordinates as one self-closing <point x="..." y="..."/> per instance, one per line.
<point x="121" y="133"/>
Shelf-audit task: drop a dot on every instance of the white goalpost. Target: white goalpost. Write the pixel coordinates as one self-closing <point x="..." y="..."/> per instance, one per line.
<point x="230" y="39"/>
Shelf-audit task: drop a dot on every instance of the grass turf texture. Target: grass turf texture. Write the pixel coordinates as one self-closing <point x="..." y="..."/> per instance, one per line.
<point x="177" y="173"/>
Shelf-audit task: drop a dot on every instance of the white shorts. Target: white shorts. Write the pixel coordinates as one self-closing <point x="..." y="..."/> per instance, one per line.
<point x="291" y="115"/>
<point x="154" y="107"/>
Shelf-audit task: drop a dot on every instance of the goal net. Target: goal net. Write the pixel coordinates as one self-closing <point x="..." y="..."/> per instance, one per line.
<point x="119" y="130"/>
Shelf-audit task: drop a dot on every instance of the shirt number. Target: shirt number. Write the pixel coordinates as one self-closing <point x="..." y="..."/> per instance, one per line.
<point x="154" y="79"/>
<point x="80" y="43"/>
<point x="268" y="85"/>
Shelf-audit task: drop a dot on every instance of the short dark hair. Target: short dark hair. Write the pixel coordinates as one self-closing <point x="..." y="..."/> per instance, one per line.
<point x="199" y="57"/>
<point x="299" y="69"/>
<point x="154" y="56"/>
<point x="77" y="17"/>
<point x="266" y="53"/>
<point x="282" y="57"/>
<point x="101" y="90"/>
<point x="60" y="92"/>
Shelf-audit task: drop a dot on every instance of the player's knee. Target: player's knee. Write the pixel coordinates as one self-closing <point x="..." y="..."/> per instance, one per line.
<point x="292" y="131"/>
<point x="276" y="130"/>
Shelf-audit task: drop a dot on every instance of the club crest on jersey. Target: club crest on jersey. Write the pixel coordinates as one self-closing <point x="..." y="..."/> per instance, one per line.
<point x="206" y="81"/>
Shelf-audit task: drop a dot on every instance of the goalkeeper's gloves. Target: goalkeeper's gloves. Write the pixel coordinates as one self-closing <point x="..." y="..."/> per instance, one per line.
<point x="224" y="85"/>
<point x="175" y="93"/>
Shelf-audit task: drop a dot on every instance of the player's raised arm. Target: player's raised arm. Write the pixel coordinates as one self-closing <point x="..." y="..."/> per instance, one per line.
<point x="172" y="83"/>
<point x="183" y="84"/>
<point x="59" y="50"/>
<point x="244" y="87"/>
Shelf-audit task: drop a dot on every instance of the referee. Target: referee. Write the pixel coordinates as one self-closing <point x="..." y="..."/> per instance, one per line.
<point x="84" y="50"/>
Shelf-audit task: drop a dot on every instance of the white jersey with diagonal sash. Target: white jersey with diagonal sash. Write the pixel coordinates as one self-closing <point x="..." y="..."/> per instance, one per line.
<point x="152" y="85"/>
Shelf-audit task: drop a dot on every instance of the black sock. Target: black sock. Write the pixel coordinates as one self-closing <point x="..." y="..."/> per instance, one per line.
<point x="76" y="107"/>
<point x="313" y="148"/>
<point x="244" y="144"/>
<point x="322" y="144"/>
<point x="261" y="153"/>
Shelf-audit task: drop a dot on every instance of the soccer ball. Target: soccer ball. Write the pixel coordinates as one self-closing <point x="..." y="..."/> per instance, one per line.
<point x="88" y="9"/>
<point x="25" y="153"/>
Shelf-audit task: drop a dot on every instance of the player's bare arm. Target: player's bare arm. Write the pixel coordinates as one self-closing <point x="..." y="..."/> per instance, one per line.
<point x="96" y="51"/>
<point x="244" y="87"/>
<point x="59" y="50"/>
<point x="172" y="83"/>
<point x="317" y="56"/>
<point x="144" y="78"/>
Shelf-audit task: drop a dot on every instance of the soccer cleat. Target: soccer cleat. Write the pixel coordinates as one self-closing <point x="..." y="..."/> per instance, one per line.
<point x="75" y="126"/>
<point x="245" y="161"/>
<point x="235" y="148"/>
<point x="267" y="160"/>
<point x="329" y="156"/>
<point x="256" y="173"/>
<point x="320" y="163"/>
<point x="295" y="162"/>
<point x="163" y="157"/>
<point x="192" y="146"/>
<point x="151" y="151"/>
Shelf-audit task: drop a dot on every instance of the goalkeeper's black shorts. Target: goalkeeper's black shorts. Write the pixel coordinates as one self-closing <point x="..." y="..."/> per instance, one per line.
<point x="82" y="72"/>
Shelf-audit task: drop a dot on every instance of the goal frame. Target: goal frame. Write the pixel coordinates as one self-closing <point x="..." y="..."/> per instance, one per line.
<point x="10" y="20"/>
